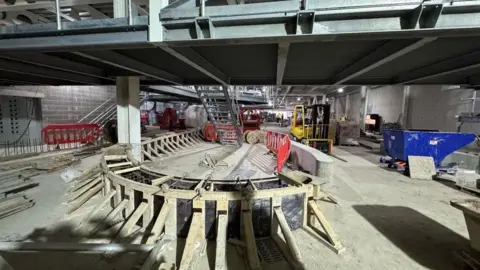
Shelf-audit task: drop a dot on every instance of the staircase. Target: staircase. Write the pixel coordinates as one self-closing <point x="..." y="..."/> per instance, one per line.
<point x="221" y="105"/>
<point x="107" y="111"/>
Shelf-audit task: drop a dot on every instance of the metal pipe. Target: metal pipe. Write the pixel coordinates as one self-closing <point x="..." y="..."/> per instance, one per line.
<point x="202" y="8"/>
<point x="57" y="11"/>
<point x="52" y="246"/>
<point x="129" y="8"/>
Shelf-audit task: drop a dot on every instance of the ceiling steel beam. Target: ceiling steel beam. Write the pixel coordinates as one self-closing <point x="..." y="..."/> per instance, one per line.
<point x="54" y="62"/>
<point x="282" y="55"/>
<point x="22" y="68"/>
<point x="439" y="68"/>
<point x="342" y="79"/>
<point x="124" y="62"/>
<point x="94" y="13"/>
<point x="63" y="15"/>
<point x="195" y="60"/>
<point x="51" y="4"/>
<point x="443" y="73"/>
<point x="17" y="78"/>
<point x="289" y="89"/>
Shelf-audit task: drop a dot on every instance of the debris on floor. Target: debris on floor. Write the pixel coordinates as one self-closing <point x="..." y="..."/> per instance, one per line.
<point x="14" y="204"/>
<point x="211" y="163"/>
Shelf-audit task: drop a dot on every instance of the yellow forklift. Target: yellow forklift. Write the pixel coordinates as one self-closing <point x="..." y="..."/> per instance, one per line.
<point x="311" y="126"/>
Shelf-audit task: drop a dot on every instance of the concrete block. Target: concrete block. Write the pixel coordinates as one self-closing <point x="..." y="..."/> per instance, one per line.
<point x="312" y="160"/>
<point x="421" y="167"/>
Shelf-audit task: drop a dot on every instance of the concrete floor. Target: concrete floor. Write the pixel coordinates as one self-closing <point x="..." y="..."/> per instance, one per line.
<point x="385" y="220"/>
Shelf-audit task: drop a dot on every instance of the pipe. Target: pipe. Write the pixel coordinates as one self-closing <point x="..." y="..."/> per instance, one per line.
<point x="129" y="8"/>
<point x="202" y="8"/>
<point x="86" y="247"/>
<point x="57" y="13"/>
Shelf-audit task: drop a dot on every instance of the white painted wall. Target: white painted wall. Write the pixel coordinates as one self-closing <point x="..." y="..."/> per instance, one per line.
<point x="433" y="108"/>
<point x="385" y="101"/>
<point x="354" y="102"/>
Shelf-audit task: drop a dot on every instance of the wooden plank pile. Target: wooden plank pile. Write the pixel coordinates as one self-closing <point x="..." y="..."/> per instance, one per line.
<point x="10" y="205"/>
<point x="12" y="183"/>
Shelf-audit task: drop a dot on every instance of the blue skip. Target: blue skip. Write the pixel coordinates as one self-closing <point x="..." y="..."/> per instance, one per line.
<point x="399" y="144"/>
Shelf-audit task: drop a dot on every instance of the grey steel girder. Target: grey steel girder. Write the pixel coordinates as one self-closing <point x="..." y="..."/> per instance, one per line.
<point x="320" y="20"/>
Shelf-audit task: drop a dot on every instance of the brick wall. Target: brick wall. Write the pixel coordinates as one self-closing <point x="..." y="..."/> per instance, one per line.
<point x="68" y="104"/>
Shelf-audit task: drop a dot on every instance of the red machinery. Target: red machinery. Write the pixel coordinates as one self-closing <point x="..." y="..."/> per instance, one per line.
<point x="169" y="120"/>
<point x="144" y="117"/>
<point x="250" y="118"/>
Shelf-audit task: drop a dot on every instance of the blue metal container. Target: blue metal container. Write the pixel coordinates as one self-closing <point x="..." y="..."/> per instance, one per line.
<point x="399" y="144"/>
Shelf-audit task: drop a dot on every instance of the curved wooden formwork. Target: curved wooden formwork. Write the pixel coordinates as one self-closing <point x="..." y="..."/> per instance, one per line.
<point x="170" y="144"/>
<point x="170" y="207"/>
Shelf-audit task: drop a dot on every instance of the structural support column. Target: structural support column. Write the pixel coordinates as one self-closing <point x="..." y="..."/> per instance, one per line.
<point x="128" y="113"/>
<point x="405" y="104"/>
<point x="347" y="104"/>
<point x="363" y="106"/>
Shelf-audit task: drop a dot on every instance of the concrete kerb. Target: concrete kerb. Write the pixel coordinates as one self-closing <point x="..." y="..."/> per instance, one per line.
<point x="312" y="161"/>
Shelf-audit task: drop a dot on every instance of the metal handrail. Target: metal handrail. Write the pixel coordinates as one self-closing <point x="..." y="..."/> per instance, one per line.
<point x="99" y="106"/>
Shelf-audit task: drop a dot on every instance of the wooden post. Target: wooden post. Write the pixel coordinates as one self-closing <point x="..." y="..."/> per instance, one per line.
<point x="222" y="223"/>
<point x="325" y="225"/>
<point x="249" y="236"/>
<point x="195" y="242"/>
<point x="159" y="223"/>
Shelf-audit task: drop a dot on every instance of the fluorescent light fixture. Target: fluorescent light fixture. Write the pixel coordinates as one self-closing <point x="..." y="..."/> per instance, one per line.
<point x="340" y="90"/>
<point x="299" y="98"/>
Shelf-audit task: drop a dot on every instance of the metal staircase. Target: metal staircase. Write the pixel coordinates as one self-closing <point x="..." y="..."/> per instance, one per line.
<point x="221" y="105"/>
<point x="107" y="111"/>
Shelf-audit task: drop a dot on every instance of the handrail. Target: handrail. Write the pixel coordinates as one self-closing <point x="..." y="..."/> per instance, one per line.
<point x="101" y="105"/>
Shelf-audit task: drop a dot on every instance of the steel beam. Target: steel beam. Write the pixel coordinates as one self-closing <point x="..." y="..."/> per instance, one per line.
<point x="441" y="68"/>
<point x="124" y="62"/>
<point x="282" y="55"/>
<point x="50" y="4"/>
<point x="447" y="72"/>
<point x="173" y="91"/>
<point x="49" y="61"/>
<point x="22" y="68"/>
<point x="289" y="89"/>
<point x="66" y="43"/>
<point x="17" y="78"/>
<point x="195" y="60"/>
<point x="94" y="13"/>
<point x="342" y="79"/>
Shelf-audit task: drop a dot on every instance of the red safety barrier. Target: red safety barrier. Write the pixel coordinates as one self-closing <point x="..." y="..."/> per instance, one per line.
<point x="70" y="133"/>
<point x="279" y="144"/>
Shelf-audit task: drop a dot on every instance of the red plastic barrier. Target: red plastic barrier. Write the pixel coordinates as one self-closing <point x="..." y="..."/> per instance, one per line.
<point x="70" y="133"/>
<point x="280" y="144"/>
<point x="210" y="135"/>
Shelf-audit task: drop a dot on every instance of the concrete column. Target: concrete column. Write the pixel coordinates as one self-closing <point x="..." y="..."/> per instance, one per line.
<point x="128" y="113"/>
<point x="347" y="104"/>
<point x="324" y="99"/>
<point x="363" y="106"/>
<point x="405" y="104"/>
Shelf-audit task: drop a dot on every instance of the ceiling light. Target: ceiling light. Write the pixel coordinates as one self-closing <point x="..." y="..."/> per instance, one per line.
<point x="299" y="98"/>
<point x="269" y="103"/>
<point x="340" y="90"/>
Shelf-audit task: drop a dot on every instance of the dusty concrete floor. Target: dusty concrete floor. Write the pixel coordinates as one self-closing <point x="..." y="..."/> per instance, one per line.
<point x="385" y="220"/>
<point x="246" y="161"/>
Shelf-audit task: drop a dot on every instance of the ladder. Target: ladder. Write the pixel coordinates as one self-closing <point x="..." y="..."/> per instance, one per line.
<point x="221" y="105"/>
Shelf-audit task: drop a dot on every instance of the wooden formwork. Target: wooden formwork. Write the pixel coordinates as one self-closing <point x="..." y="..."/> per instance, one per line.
<point x="159" y="203"/>
<point x="170" y="144"/>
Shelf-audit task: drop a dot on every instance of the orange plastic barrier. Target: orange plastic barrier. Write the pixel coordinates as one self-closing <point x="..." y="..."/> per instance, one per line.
<point x="70" y="133"/>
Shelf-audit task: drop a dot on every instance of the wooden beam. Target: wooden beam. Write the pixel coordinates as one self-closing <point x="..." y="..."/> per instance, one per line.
<point x="249" y="237"/>
<point x="115" y="157"/>
<point x="74" y="205"/>
<point x="332" y="238"/>
<point x="96" y="209"/>
<point x="195" y="242"/>
<point x="119" y="208"/>
<point x="159" y="223"/>
<point x="161" y="180"/>
<point x="127" y="170"/>
<point x="132" y="220"/>
<point x="287" y="234"/>
<point x="84" y="189"/>
<point x="221" y="247"/>
<point x="128" y="163"/>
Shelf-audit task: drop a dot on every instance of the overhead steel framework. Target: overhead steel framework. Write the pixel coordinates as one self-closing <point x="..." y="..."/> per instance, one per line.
<point x="216" y="42"/>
